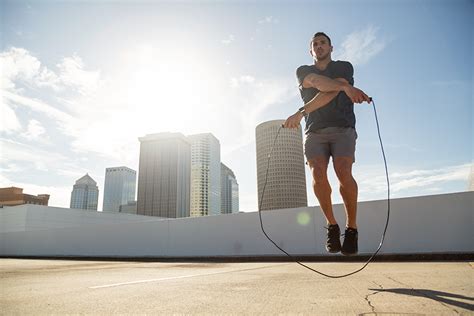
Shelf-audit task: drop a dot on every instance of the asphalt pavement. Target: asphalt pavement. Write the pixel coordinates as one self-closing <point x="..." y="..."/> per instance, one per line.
<point x="37" y="287"/>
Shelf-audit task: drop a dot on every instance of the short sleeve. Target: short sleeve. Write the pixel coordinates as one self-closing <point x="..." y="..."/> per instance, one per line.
<point x="345" y="70"/>
<point x="301" y="73"/>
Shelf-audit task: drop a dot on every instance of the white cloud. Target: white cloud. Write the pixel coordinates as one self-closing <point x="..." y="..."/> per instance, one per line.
<point x="107" y="116"/>
<point x="268" y="20"/>
<point x="18" y="159"/>
<point x="471" y="178"/>
<point x="73" y="173"/>
<point x="248" y="103"/>
<point x="34" y="130"/>
<point x="47" y="78"/>
<point x="28" y="156"/>
<point x="228" y="40"/>
<point x="19" y="64"/>
<point x="72" y="74"/>
<point x="235" y="82"/>
<point x="429" y="178"/>
<point x="37" y="105"/>
<point x="360" y="46"/>
<point x="9" y="120"/>
<point x="11" y="168"/>
<point x="372" y="181"/>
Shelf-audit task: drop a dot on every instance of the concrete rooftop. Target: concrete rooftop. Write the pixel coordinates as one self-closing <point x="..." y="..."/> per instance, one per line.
<point x="118" y="287"/>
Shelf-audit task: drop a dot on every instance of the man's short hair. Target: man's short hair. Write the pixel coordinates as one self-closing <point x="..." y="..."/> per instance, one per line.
<point x="320" y="34"/>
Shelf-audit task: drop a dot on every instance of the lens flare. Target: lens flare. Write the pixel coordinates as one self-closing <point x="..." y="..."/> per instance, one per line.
<point x="303" y="218"/>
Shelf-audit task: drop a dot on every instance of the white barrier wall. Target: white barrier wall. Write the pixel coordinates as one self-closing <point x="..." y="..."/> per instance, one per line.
<point x="428" y="224"/>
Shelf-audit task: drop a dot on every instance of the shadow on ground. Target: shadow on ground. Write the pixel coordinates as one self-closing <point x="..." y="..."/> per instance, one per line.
<point x="442" y="297"/>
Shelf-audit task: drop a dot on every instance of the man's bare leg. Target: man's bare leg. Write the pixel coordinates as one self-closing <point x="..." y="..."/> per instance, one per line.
<point x="321" y="187"/>
<point x="348" y="188"/>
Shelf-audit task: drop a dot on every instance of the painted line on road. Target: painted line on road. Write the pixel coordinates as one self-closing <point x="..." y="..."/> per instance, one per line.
<point x="176" y="277"/>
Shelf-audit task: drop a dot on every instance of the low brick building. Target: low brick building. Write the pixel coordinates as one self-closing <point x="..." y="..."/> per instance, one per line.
<point x="14" y="196"/>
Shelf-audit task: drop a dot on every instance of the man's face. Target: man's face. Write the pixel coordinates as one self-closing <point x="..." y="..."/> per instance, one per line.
<point x="320" y="48"/>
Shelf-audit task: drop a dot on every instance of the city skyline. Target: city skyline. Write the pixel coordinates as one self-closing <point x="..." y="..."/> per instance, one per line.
<point x="120" y="182"/>
<point x="70" y="108"/>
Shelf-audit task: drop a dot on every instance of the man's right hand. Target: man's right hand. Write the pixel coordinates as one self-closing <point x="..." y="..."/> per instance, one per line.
<point x="356" y="95"/>
<point x="293" y="121"/>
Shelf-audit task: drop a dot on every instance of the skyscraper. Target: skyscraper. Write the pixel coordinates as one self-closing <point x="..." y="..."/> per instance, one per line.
<point x="119" y="188"/>
<point x="85" y="194"/>
<point x="286" y="182"/>
<point x="205" y="175"/>
<point x="164" y="175"/>
<point x="229" y="191"/>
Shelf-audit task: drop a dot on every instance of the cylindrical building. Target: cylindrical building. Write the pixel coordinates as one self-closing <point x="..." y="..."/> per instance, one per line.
<point x="286" y="183"/>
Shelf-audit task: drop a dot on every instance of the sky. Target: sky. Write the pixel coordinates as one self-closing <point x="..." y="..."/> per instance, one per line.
<point x="82" y="80"/>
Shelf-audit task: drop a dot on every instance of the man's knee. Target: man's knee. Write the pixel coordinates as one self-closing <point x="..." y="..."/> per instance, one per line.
<point x="343" y="169"/>
<point x="319" y="167"/>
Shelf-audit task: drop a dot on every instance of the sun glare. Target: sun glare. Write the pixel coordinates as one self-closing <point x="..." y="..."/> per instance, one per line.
<point x="164" y="87"/>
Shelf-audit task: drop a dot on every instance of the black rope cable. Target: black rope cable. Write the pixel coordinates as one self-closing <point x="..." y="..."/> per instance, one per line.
<point x="386" y="223"/>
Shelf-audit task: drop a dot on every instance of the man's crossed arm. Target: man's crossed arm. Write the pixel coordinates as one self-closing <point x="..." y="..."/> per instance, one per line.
<point x="325" y="84"/>
<point x="329" y="89"/>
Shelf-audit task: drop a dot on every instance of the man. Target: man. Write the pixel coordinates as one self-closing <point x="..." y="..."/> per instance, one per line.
<point x="329" y="96"/>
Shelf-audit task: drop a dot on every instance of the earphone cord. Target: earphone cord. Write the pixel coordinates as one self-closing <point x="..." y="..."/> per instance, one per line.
<point x="386" y="223"/>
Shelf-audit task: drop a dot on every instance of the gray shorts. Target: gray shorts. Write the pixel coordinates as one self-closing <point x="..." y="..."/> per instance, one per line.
<point x="331" y="141"/>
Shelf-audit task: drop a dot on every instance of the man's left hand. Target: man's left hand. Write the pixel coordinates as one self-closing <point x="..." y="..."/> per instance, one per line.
<point x="293" y="121"/>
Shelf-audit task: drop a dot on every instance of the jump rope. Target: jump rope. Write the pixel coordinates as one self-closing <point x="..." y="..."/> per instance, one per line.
<point x="386" y="223"/>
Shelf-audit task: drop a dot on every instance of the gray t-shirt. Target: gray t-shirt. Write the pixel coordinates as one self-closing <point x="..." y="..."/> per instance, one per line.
<point x="340" y="111"/>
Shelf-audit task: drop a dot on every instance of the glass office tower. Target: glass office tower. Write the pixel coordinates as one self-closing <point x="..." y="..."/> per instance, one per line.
<point x="205" y="175"/>
<point x="85" y="194"/>
<point x="119" y="188"/>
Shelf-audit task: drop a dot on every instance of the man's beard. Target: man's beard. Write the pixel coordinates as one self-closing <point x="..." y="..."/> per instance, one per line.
<point x="323" y="57"/>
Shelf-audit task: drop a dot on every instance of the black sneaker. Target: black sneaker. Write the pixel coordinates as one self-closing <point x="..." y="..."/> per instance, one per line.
<point x="333" y="243"/>
<point x="349" y="246"/>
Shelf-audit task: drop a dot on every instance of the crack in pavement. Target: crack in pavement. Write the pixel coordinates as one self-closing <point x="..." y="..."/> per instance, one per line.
<point x="423" y="294"/>
<point x="373" y="293"/>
